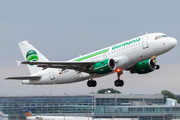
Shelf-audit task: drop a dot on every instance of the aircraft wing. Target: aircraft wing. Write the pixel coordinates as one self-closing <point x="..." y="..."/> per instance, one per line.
<point x="79" y="66"/>
<point x="25" y="78"/>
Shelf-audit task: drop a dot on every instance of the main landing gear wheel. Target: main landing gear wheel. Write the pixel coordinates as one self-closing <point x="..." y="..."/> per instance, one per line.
<point x="91" y="83"/>
<point x="119" y="83"/>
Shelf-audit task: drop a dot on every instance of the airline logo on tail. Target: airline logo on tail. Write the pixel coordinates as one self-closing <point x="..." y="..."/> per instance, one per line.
<point x="27" y="113"/>
<point x="31" y="55"/>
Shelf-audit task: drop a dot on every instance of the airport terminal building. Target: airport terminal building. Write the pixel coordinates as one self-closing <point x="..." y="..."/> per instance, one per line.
<point x="146" y="107"/>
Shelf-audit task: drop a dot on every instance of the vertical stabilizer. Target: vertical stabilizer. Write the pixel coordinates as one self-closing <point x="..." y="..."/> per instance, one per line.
<point x="27" y="113"/>
<point x="32" y="54"/>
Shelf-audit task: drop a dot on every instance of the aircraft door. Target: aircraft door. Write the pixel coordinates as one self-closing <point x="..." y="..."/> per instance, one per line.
<point x="145" y="42"/>
<point x="51" y="73"/>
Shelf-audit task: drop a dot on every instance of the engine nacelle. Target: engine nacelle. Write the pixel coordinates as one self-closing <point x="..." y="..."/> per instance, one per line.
<point x="122" y="62"/>
<point x="104" y="66"/>
<point x="145" y="66"/>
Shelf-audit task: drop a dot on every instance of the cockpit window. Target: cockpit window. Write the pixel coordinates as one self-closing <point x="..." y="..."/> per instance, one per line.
<point x="161" y="36"/>
<point x="164" y="35"/>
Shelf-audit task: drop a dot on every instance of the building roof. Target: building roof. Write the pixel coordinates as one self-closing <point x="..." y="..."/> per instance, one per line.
<point x="138" y="96"/>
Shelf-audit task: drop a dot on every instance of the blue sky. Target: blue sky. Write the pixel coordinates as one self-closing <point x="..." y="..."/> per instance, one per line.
<point x="61" y="30"/>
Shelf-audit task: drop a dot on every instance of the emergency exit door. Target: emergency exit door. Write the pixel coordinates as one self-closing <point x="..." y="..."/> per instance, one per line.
<point x="145" y="42"/>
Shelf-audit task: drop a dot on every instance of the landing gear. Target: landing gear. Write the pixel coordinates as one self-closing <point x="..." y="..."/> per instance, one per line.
<point x="154" y="61"/>
<point x="119" y="82"/>
<point x="91" y="83"/>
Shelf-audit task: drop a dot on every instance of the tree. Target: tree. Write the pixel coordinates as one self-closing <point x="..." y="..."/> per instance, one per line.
<point x="108" y="90"/>
<point x="168" y="94"/>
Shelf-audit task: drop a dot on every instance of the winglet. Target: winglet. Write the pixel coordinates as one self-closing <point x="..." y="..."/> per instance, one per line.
<point x="18" y="62"/>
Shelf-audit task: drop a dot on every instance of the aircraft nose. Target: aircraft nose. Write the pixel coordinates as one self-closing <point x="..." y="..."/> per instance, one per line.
<point x="173" y="42"/>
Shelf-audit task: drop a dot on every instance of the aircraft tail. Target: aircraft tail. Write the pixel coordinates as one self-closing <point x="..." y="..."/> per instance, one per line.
<point x="31" y="54"/>
<point x="27" y="113"/>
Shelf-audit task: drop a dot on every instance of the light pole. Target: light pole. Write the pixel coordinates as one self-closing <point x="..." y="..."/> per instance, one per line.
<point x="137" y="113"/>
<point x="63" y="114"/>
<point x="162" y="113"/>
<point x="16" y="115"/>
<point x="87" y="114"/>
<point x="112" y="115"/>
<point x="39" y="115"/>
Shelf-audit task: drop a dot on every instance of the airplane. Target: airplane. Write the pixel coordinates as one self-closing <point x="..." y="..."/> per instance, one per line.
<point x="30" y="116"/>
<point x="137" y="55"/>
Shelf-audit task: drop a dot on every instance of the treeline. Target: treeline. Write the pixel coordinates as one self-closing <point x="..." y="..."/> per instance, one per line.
<point x="168" y="94"/>
<point x="108" y="90"/>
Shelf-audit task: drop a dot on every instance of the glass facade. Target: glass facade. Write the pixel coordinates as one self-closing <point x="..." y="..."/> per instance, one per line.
<point x="99" y="104"/>
<point x="121" y="100"/>
<point x="75" y="104"/>
<point x="142" y="110"/>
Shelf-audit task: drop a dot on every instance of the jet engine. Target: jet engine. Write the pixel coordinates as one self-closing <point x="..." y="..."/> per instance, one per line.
<point x="145" y="66"/>
<point x="104" y="66"/>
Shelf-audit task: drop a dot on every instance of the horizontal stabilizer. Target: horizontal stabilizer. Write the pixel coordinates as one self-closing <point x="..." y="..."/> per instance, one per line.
<point x="25" y="78"/>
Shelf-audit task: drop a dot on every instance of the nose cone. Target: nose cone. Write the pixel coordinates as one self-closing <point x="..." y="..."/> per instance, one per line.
<point x="173" y="42"/>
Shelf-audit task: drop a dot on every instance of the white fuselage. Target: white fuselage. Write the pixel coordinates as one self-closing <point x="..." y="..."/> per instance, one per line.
<point x="126" y="54"/>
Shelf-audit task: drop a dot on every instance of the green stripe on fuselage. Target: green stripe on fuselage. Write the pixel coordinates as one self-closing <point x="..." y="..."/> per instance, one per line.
<point x="92" y="55"/>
